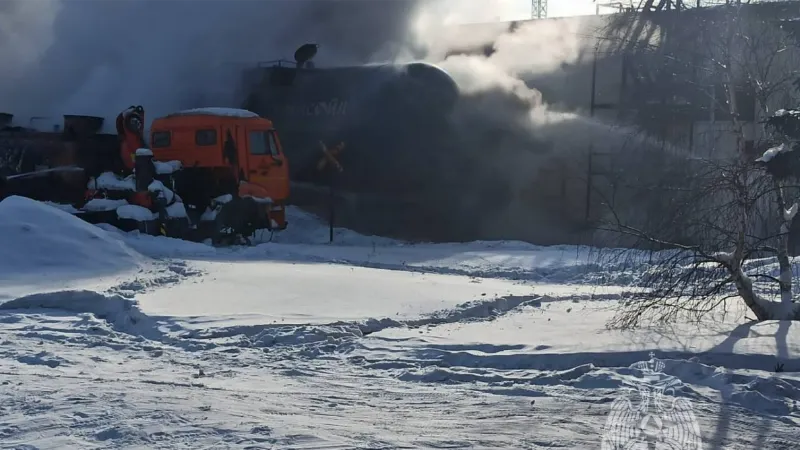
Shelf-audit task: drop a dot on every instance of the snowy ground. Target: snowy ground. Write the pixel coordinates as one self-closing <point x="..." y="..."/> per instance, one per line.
<point x="110" y="340"/>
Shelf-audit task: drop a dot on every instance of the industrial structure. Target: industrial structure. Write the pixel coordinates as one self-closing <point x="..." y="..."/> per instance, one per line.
<point x="538" y="9"/>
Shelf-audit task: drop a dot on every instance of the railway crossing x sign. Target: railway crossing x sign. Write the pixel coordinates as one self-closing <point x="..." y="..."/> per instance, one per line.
<point x="329" y="157"/>
<point x="329" y="160"/>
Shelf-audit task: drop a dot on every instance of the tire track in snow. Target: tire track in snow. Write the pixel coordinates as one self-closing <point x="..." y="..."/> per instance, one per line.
<point x="270" y="335"/>
<point x="166" y="273"/>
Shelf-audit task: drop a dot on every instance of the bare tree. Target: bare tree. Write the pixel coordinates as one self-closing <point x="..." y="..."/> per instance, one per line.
<point x="724" y="235"/>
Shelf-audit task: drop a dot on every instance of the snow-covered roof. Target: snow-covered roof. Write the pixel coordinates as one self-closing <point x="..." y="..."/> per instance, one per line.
<point x="216" y="111"/>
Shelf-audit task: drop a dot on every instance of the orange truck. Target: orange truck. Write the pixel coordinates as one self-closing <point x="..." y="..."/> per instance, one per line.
<point x="215" y="173"/>
<point x="232" y="151"/>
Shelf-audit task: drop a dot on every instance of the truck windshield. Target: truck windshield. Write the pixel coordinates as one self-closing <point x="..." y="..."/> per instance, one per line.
<point x="263" y="143"/>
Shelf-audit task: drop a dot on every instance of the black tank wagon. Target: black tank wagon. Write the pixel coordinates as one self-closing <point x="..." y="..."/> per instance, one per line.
<point x="403" y="172"/>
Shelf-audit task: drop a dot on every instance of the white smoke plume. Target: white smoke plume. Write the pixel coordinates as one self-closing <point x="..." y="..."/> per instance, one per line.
<point x="537" y="153"/>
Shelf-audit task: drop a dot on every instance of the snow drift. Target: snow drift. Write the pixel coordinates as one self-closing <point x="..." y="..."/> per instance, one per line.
<point x="121" y="313"/>
<point x="40" y="241"/>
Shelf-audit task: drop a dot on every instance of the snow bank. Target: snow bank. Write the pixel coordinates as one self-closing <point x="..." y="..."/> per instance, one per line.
<point x="40" y="242"/>
<point x="307" y="240"/>
<point x="160" y="246"/>
<point x="489" y="259"/>
<point x="121" y="313"/>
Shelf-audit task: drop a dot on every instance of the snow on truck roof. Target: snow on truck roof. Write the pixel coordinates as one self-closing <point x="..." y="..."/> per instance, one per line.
<point x="215" y="111"/>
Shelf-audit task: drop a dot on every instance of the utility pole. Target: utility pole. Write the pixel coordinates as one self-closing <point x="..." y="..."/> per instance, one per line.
<point x="592" y="154"/>
<point x="538" y="9"/>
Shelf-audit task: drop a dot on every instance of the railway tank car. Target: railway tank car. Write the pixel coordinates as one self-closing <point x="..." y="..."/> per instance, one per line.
<point x="403" y="173"/>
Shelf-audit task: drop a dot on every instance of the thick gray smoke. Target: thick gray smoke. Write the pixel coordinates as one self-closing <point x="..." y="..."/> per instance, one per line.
<point x="97" y="57"/>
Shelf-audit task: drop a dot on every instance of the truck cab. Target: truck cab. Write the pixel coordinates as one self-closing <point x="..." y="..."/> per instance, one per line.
<point x="225" y="151"/>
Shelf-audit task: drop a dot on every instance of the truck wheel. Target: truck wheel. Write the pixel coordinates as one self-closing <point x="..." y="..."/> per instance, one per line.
<point x="236" y="222"/>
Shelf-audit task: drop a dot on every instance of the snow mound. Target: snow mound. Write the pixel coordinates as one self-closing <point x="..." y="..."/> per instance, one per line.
<point x="160" y="246"/>
<point x="121" y="313"/>
<point x="42" y="241"/>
